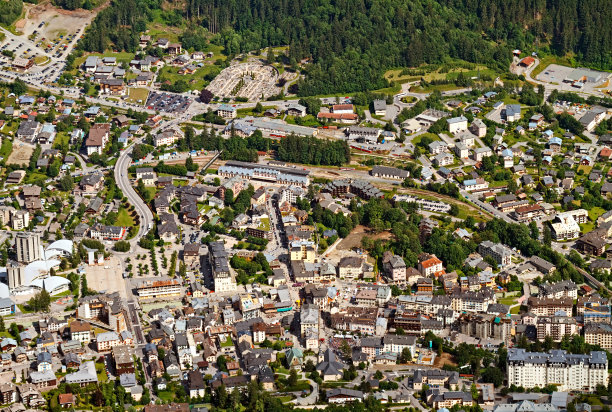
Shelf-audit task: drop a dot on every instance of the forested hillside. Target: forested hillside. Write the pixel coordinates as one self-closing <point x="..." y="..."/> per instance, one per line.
<point x="351" y="42"/>
<point x="10" y="10"/>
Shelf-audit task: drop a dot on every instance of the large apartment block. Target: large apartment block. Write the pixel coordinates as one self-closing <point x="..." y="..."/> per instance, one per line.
<point x="569" y="372"/>
<point x="500" y="253"/>
<point x="549" y="306"/>
<point x="598" y="334"/>
<point x="556" y="326"/>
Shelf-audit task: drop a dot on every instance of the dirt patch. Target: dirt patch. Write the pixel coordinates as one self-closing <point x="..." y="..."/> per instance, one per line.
<point x="200" y="160"/>
<point x="353" y="240"/>
<point x="21" y="153"/>
<point x="444" y="359"/>
<point x="56" y="20"/>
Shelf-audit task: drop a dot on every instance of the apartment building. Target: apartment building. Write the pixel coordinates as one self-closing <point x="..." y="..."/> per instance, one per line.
<point x="500" y="253"/>
<point x="366" y="298"/>
<point x="570" y="372"/>
<point x="431" y="267"/>
<point x="565" y="226"/>
<point x="556" y="327"/>
<point x="548" y="306"/>
<point x="159" y="289"/>
<point x="564" y="288"/>
<point x="303" y="250"/>
<point x="394" y="267"/>
<point x="598" y="334"/>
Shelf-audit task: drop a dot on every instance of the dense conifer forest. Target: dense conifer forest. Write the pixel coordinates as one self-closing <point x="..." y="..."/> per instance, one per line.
<point x="351" y="42"/>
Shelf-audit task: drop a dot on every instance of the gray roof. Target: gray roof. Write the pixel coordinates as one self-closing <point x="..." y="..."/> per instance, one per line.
<point x="556" y="356"/>
<point x="526" y="406"/>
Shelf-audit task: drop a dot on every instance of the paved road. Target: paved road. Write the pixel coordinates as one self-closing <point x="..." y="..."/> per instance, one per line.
<point x="311" y="399"/>
<point x="123" y="182"/>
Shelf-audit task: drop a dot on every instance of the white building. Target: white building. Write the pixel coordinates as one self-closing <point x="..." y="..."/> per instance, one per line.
<point x="226" y="111"/>
<point x="568" y="371"/>
<point x="457" y="124"/>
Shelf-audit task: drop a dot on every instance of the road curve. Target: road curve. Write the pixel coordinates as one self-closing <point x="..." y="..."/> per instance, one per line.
<point x="123" y="182"/>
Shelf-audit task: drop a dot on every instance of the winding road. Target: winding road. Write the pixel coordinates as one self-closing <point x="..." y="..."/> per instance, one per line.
<point x="123" y="182"/>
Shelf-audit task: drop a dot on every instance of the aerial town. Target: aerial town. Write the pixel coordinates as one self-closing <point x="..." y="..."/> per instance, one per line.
<point x="183" y="229"/>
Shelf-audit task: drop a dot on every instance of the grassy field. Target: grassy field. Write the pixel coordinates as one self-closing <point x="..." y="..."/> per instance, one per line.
<point x="390" y="90"/>
<point x="137" y="95"/>
<point x="308" y="120"/>
<point x="595" y="212"/>
<point x="32" y="177"/>
<point x="418" y="138"/>
<point x="60" y="139"/>
<point x="228" y="342"/>
<point x="248" y="111"/>
<point x="195" y="81"/>
<point x="166" y="396"/>
<point x="265" y="224"/>
<point x="587" y="227"/>
<point x="41" y="60"/>
<point x="152" y="191"/>
<point x="439" y="87"/>
<point x="6" y="148"/>
<point x="396" y="75"/>
<point x="124" y="218"/>
<point x="102" y="376"/>
<point x="508" y="300"/>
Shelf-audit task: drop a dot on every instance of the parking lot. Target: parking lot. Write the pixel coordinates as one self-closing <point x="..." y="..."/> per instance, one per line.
<point x="250" y="80"/>
<point x="19" y="49"/>
<point x="166" y="102"/>
<point x="557" y="75"/>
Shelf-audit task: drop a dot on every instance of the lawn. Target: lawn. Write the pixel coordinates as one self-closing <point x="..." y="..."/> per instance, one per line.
<point x="166" y="396"/>
<point x="6" y="148"/>
<point x="508" y="301"/>
<point x="195" y="81"/>
<point x="587" y="227"/>
<point x="595" y="212"/>
<point x="515" y="310"/>
<point x="285" y="399"/>
<point x="308" y="120"/>
<point x="586" y="169"/>
<point x="228" y="342"/>
<point x="101" y="371"/>
<point x="396" y="75"/>
<point x="439" y="87"/>
<point x="152" y="191"/>
<point x="137" y="95"/>
<point x="248" y="111"/>
<point x="301" y="385"/>
<point x="396" y="88"/>
<point x="24" y="308"/>
<point x="124" y="218"/>
<point x="33" y="177"/>
<point x="265" y="224"/>
<point x="61" y="139"/>
<point x="417" y="139"/>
